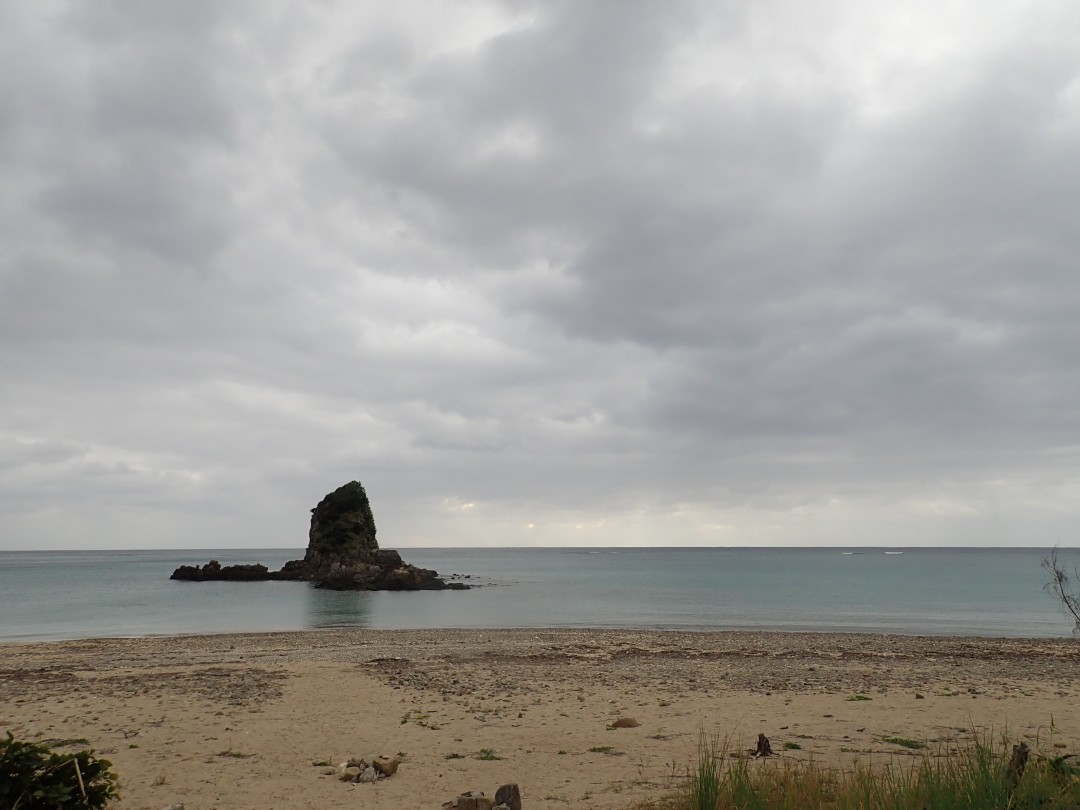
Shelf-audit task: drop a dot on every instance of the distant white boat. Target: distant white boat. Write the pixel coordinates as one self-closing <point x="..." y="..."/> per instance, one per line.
<point x="894" y="552"/>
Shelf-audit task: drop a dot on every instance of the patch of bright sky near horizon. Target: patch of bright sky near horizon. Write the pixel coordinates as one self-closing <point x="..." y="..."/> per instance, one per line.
<point x="557" y="273"/>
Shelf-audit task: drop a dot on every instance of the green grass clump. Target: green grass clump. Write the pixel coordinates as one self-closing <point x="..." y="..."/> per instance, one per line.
<point x="487" y="755"/>
<point x="905" y="742"/>
<point x="602" y="749"/>
<point x="228" y="752"/>
<point x="792" y="746"/>
<point x="66" y="742"/>
<point x="972" y="778"/>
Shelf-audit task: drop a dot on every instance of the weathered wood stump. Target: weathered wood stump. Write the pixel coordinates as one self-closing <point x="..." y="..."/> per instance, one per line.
<point x="764" y="747"/>
<point x="1014" y="771"/>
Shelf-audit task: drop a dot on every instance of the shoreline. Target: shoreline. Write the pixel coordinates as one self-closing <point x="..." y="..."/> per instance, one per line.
<point x="235" y="720"/>
<point x="554" y="629"/>
<point x="672" y="630"/>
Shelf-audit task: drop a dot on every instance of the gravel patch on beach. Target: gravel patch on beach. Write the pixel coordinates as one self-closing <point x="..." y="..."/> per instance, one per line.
<point x="798" y="662"/>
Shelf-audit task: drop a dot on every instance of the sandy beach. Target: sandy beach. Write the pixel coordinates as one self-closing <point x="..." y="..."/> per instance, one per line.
<point x="238" y="721"/>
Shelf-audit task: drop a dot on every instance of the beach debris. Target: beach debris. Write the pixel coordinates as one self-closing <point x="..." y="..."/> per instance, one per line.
<point x="473" y="800"/>
<point x="508" y="796"/>
<point x="370" y="768"/>
<point x="386" y="766"/>
<point x="764" y="747"/>
<point x="625" y="722"/>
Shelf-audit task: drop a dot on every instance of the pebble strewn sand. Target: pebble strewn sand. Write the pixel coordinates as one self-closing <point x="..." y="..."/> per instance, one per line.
<point x="236" y="721"/>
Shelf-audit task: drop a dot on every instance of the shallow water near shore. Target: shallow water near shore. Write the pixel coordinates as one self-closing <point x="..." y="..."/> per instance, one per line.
<point x="980" y="592"/>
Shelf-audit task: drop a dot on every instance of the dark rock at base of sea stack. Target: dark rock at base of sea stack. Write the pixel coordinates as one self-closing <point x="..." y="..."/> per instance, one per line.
<point x="214" y="570"/>
<point x="342" y="554"/>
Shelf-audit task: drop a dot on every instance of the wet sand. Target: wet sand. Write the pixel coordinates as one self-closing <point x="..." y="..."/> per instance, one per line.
<point x="237" y="721"/>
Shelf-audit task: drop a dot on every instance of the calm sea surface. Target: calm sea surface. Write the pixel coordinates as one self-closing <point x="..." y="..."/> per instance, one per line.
<point x="986" y="592"/>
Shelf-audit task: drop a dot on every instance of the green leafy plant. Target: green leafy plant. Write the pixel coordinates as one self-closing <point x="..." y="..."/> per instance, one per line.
<point x="33" y="777"/>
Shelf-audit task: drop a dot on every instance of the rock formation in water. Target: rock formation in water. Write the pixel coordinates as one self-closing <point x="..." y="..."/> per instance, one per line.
<point x="215" y="570"/>
<point x="342" y="554"/>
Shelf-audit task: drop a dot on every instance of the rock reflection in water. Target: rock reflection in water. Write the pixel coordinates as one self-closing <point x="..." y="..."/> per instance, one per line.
<point x="325" y="608"/>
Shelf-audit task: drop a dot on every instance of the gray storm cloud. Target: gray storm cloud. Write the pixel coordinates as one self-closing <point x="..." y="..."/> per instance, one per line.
<point x="551" y="273"/>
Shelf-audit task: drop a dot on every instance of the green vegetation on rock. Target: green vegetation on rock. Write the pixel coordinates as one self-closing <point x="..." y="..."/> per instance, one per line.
<point x="343" y="519"/>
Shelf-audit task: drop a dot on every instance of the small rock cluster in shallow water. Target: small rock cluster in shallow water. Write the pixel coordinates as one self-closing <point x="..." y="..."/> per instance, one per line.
<point x="342" y="554"/>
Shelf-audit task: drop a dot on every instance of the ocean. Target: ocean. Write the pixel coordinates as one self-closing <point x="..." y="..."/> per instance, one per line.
<point x="980" y="592"/>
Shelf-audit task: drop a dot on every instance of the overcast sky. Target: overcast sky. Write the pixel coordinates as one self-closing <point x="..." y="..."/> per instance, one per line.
<point x="608" y="273"/>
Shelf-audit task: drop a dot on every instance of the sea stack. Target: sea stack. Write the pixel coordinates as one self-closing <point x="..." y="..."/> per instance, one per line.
<point x="342" y="554"/>
<point x="342" y="533"/>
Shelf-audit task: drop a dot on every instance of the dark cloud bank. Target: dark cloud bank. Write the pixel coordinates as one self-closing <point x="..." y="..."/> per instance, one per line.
<point x="552" y="273"/>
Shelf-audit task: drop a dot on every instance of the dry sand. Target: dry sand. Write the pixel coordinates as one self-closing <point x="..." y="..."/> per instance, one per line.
<point x="237" y="721"/>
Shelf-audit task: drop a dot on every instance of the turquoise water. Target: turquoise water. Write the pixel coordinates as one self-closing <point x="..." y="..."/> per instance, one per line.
<point x="986" y="592"/>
